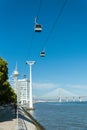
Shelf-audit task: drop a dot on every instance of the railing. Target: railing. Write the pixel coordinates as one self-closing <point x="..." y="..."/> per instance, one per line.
<point x="34" y="121"/>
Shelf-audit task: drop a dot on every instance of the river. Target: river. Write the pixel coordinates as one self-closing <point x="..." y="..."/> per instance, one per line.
<point x="61" y="116"/>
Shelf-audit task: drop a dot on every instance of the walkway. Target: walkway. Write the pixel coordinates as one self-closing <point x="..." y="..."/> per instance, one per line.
<point x="8" y="120"/>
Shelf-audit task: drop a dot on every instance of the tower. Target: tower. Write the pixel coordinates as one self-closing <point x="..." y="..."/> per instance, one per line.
<point x="59" y="94"/>
<point x="30" y="63"/>
<point x="15" y="74"/>
<point x="80" y="98"/>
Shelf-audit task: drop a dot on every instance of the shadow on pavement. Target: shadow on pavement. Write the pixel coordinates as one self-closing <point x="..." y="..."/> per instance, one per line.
<point x="7" y="113"/>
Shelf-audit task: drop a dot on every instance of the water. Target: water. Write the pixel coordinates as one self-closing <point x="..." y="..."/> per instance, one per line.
<point x="61" y="116"/>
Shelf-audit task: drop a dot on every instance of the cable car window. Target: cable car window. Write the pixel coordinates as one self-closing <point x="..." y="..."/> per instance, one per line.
<point x="42" y="54"/>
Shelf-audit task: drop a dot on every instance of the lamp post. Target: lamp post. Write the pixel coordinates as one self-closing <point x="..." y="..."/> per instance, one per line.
<point x="30" y="63"/>
<point x="15" y="74"/>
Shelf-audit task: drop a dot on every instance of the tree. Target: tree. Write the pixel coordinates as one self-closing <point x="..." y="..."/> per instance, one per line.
<point x="7" y="94"/>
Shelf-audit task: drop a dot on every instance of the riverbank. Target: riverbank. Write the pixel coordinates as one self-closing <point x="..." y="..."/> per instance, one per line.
<point x="8" y="119"/>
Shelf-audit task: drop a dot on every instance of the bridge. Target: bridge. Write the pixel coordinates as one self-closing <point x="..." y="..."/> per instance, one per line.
<point x="60" y="95"/>
<point x="60" y="99"/>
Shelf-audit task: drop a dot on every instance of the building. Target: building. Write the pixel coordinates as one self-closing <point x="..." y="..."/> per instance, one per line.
<point x="21" y="87"/>
<point x="23" y="91"/>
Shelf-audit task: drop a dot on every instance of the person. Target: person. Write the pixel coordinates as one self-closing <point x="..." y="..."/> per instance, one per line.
<point x="15" y="107"/>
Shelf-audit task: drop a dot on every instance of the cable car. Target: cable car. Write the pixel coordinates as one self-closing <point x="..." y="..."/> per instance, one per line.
<point x="42" y="54"/>
<point x="37" y="27"/>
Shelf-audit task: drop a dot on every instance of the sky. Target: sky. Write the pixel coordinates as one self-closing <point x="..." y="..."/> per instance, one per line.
<point x="63" y="38"/>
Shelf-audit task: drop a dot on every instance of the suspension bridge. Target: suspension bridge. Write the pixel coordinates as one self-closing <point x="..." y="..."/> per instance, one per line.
<point x="60" y="95"/>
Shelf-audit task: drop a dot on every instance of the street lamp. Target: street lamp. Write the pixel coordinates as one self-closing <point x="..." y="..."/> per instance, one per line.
<point x="30" y="63"/>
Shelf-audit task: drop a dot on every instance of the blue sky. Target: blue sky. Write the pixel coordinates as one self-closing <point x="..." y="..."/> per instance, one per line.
<point x="64" y="38"/>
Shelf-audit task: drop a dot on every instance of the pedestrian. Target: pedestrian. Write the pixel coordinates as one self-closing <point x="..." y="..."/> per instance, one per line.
<point x="15" y="107"/>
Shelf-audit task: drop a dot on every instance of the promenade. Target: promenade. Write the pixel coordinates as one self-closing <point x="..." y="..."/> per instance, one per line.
<point x="8" y="120"/>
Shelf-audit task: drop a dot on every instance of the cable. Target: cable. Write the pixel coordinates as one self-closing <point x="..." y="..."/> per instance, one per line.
<point x="40" y="3"/>
<point x="33" y="33"/>
<point x="54" y="25"/>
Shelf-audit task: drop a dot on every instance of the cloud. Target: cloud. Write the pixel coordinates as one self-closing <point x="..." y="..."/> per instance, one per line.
<point x="44" y="85"/>
<point x="43" y="88"/>
<point x="78" y="89"/>
<point x="77" y="86"/>
<point x="47" y="87"/>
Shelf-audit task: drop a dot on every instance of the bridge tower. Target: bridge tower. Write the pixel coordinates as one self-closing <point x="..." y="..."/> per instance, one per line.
<point x="80" y="98"/>
<point x="73" y="99"/>
<point x="59" y="94"/>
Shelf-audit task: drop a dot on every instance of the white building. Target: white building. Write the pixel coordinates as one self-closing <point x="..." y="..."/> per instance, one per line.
<point x="23" y="91"/>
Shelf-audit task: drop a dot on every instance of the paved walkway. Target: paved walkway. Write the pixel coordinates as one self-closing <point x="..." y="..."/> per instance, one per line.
<point x="8" y="119"/>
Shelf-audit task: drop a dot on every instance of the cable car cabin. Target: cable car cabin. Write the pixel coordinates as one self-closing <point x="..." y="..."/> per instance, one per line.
<point x="38" y="28"/>
<point x="42" y="54"/>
